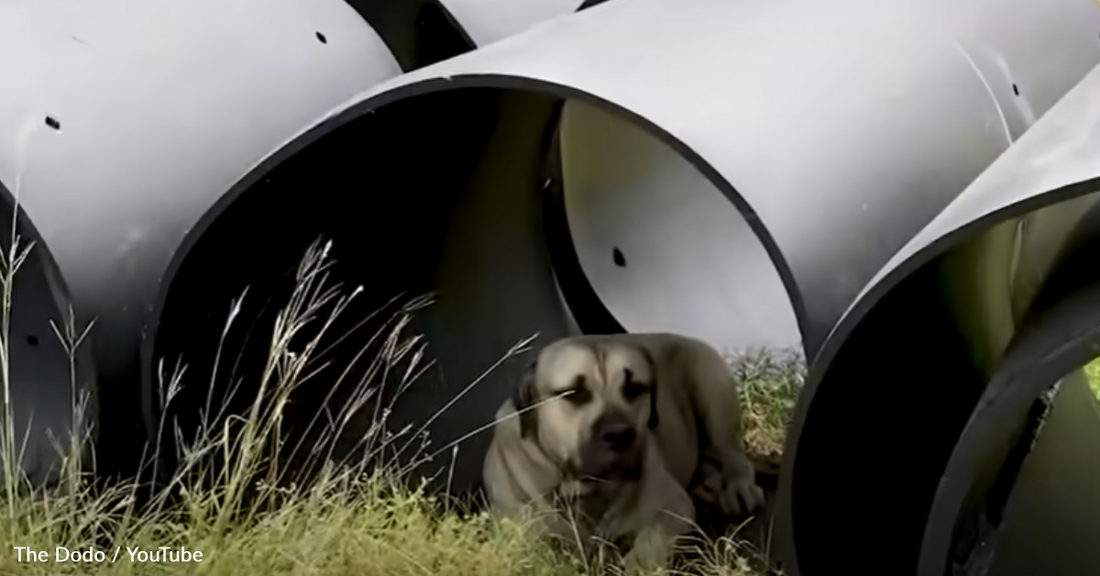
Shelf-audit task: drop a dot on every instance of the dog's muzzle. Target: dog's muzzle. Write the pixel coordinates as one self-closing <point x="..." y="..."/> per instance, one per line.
<point x="614" y="449"/>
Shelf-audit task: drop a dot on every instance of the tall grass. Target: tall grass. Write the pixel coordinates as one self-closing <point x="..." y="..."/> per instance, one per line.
<point x="235" y="493"/>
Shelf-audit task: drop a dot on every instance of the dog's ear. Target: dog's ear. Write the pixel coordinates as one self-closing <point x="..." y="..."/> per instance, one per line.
<point x="523" y="397"/>
<point x="654" y="418"/>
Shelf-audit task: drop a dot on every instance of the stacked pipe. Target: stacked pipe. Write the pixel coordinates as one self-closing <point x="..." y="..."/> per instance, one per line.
<point x="123" y="123"/>
<point x="983" y="453"/>
<point x="754" y="174"/>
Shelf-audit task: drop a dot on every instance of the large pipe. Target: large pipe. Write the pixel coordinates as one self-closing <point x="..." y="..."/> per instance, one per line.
<point x="810" y="157"/>
<point x="974" y="321"/>
<point x="122" y="122"/>
<point x="1018" y="491"/>
<point x="126" y="121"/>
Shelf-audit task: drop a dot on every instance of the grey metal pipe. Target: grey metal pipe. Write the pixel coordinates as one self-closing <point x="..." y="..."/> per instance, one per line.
<point x="122" y="122"/>
<point x="828" y="156"/>
<point x="980" y="313"/>
<point x="154" y="109"/>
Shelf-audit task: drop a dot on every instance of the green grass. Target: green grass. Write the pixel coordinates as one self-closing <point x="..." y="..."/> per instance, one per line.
<point x="363" y="519"/>
<point x="769" y="383"/>
<point x="1092" y="372"/>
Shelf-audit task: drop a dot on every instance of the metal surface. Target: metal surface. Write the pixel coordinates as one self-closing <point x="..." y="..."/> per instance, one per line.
<point x="630" y="200"/>
<point x="124" y="121"/>
<point x="941" y="313"/>
<point x="832" y="155"/>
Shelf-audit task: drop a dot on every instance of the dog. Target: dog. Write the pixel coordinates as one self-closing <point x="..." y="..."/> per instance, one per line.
<point x="603" y="437"/>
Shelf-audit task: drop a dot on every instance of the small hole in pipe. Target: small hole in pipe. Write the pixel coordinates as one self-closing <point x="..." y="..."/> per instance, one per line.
<point x="322" y="38"/>
<point x="32" y="340"/>
<point x="53" y="123"/>
<point x="618" y="258"/>
<point x="1015" y="89"/>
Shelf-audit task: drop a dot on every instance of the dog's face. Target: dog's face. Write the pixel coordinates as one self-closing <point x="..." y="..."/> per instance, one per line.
<point x="597" y="402"/>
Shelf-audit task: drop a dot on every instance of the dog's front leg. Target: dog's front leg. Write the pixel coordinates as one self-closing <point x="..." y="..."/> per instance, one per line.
<point x="668" y="514"/>
<point x="718" y="405"/>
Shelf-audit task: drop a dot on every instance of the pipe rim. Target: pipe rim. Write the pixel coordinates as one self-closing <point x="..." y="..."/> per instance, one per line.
<point x="1034" y="363"/>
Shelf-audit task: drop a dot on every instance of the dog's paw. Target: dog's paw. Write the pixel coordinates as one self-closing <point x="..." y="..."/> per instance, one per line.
<point x="741" y="496"/>
<point x="708" y="488"/>
<point x="651" y="550"/>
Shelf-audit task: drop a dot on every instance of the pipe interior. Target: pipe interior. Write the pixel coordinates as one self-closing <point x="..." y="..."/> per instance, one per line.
<point x="937" y="339"/>
<point x="1044" y="497"/>
<point x="44" y="398"/>
<point x="1053" y="509"/>
<point x="446" y="194"/>
<point x="902" y="386"/>
<point x="661" y="246"/>
<point x="417" y="32"/>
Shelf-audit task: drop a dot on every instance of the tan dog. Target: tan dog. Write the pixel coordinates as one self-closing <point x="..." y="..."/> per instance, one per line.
<point x="611" y="430"/>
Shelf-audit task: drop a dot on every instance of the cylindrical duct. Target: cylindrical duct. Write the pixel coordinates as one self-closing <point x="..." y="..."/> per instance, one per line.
<point x="954" y="376"/>
<point x="753" y="146"/>
<point x="126" y="121"/>
<point x="121" y="123"/>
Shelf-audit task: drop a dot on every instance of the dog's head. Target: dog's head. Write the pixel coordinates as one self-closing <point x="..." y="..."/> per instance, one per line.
<point x="588" y="403"/>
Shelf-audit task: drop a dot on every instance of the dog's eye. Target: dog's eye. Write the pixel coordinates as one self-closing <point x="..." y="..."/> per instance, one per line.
<point x="579" y="393"/>
<point x="578" y="396"/>
<point x="632" y="390"/>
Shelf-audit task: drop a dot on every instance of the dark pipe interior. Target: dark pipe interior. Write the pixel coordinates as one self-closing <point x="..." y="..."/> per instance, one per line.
<point x="879" y="432"/>
<point x="432" y="194"/>
<point x="418" y="32"/>
<point x="1018" y="495"/>
<point x="455" y="194"/>
<point x="41" y="382"/>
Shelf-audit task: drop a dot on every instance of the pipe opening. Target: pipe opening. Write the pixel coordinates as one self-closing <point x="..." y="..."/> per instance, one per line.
<point x="447" y="194"/>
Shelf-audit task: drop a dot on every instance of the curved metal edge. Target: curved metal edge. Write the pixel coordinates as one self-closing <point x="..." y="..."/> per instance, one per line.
<point x="83" y="359"/>
<point x="1052" y="162"/>
<point x="1033" y="363"/>
<point x="490" y="21"/>
<point x="376" y="103"/>
<point x="587" y="309"/>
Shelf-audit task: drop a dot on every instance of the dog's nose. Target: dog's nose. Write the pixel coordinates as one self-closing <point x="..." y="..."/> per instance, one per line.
<point x="618" y="437"/>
